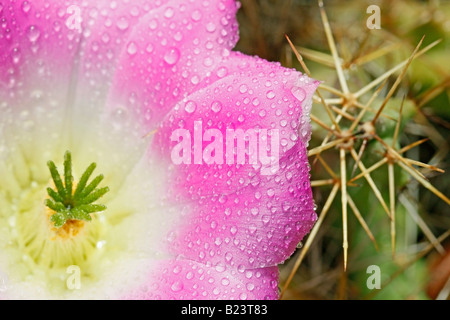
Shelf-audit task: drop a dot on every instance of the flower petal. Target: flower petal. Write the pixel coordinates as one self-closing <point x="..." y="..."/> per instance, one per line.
<point x="184" y="279"/>
<point x="171" y="53"/>
<point x="55" y="75"/>
<point x="238" y="216"/>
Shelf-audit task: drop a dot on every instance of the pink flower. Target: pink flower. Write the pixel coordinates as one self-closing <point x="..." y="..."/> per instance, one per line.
<point x="112" y="82"/>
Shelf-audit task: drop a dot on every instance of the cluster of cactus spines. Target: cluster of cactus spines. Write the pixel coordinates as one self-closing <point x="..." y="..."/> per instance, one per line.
<point x="348" y="105"/>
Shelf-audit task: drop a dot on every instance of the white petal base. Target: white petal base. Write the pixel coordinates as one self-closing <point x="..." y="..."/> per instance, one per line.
<point x="110" y="255"/>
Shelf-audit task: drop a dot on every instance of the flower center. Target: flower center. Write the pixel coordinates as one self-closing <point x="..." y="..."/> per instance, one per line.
<point x="70" y="206"/>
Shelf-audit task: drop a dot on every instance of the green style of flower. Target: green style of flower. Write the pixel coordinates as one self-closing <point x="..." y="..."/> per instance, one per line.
<point x="69" y="204"/>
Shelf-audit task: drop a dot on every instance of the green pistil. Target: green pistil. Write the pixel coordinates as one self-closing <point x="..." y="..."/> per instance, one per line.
<point x="70" y="205"/>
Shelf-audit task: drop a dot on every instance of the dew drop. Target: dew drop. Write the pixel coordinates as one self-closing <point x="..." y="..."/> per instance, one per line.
<point x="132" y="48"/>
<point x="177" y="286"/>
<point x="169" y="12"/>
<point x="228" y="256"/>
<point x="172" y="56"/>
<point x="134" y="11"/>
<point x="208" y="62"/>
<point x="270" y="94"/>
<point x="122" y="23"/>
<point x="33" y="33"/>
<point x="15" y="55"/>
<point x="286" y="206"/>
<point x="243" y="296"/>
<point x="153" y="24"/>
<point x="177" y="269"/>
<point x="178" y="36"/>
<point x="210" y="27"/>
<point x="25" y="7"/>
<point x="243" y="88"/>
<point x="222" y="72"/>
<point x="190" y="106"/>
<point x="299" y="93"/>
<point x="195" y="80"/>
<point x="149" y="48"/>
<point x="196" y="15"/>
<point x="148" y="114"/>
<point x="216" y="106"/>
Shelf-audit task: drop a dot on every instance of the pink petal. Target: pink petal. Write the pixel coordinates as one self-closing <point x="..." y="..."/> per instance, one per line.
<point x="186" y="280"/>
<point x="51" y="71"/>
<point x="36" y="49"/>
<point x="42" y="48"/>
<point x="238" y="216"/>
<point x="172" y="52"/>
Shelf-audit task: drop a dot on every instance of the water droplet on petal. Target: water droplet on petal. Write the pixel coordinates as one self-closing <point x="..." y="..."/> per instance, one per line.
<point x="286" y="206"/>
<point x="153" y="24"/>
<point x="149" y="48"/>
<point x="243" y="296"/>
<point x="177" y="286"/>
<point x="222" y="72"/>
<point x="169" y="12"/>
<point x="210" y="27"/>
<point x="15" y="55"/>
<point x="134" y="11"/>
<point x="216" y="106"/>
<point x="208" y="62"/>
<point x="132" y="48"/>
<point x="178" y="36"/>
<point x="33" y="33"/>
<point x="25" y="7"/>
<point x="299" y="93"/>
<point x="177" y="269"/>
<point x="196" y="15"/>
<point x="195" y="80"/>
<point x="122" y="23"/>
<point x="190" y="106"/>
<point x="172" y="56"/>
<point x="270" y="94"/>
